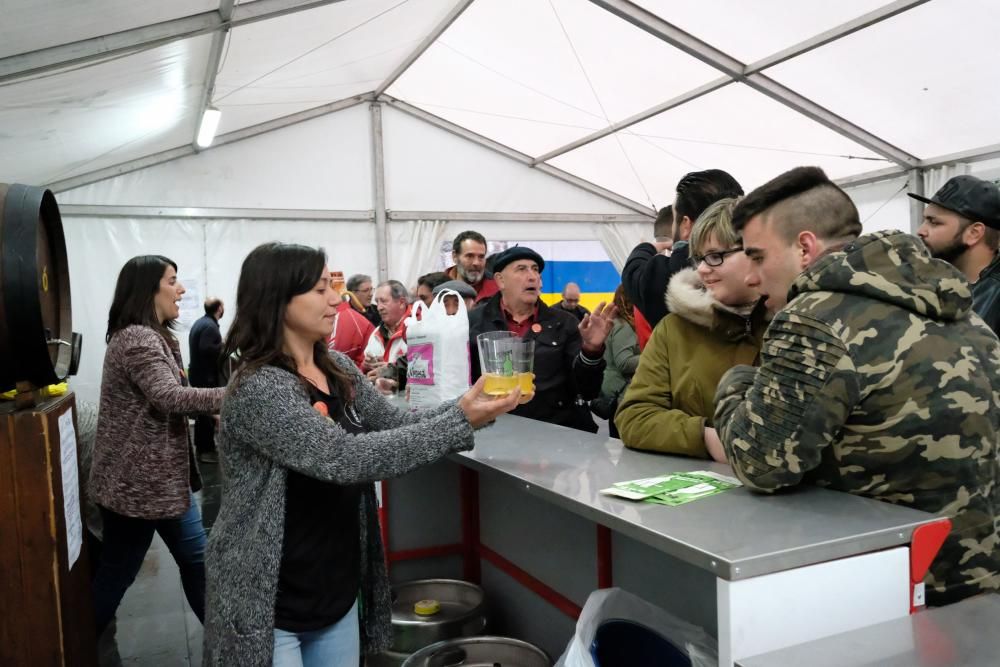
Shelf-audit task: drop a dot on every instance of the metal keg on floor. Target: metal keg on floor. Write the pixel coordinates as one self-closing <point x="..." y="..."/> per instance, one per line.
<point x="428" y="611"/>
<point x="480" y="652"/>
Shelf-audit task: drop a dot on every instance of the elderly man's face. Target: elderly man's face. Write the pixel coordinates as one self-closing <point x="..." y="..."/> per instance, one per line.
<point x="364" y="293"/>
<point x="571" y="297"/>
<point x="391" y="310"/>
<point x="520" y="282"/>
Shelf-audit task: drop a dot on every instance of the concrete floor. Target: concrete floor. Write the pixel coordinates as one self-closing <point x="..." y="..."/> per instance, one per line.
<point x="154" y="626"/>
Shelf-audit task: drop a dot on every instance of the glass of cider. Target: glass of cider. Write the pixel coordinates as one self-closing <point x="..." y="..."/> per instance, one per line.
<point x="496" y="361"/>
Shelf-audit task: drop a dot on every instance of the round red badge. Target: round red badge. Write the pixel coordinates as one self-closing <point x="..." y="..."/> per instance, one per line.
<point x="537" y="328"/>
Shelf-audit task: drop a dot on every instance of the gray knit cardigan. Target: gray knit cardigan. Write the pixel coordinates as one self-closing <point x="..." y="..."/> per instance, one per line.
<point x="268" y="426"/>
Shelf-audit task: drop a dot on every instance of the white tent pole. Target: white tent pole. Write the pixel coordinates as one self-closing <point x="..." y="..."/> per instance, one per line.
<point x="212" y="69"/>
<point x="518" y="156"/>
<point x="498" y="216"/>
<point x="833" y="34"/>
<point x="684" y="98"/>
<point x="870" y="177"/>
<point x="860" y="23"/>
<point x="213" y="213"/>
<point x="378" y="193"/>
<point x="916" y="186"/>
<point x="147" y="37"/>
<point x="425" y="44"/>
<point x="968" y="156"/>
<point x="710" y="55"/>
<point x="222" y="140"/>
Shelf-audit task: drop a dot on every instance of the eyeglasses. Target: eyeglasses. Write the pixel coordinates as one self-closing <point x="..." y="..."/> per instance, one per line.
<point x="713" y="258"/>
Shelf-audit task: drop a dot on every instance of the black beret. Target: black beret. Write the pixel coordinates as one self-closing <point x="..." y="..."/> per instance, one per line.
<point x="513" y="254"/>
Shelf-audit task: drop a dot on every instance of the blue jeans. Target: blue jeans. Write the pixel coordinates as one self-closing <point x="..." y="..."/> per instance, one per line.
<point x="338" y="644"/>
<point x="126" y="541"/>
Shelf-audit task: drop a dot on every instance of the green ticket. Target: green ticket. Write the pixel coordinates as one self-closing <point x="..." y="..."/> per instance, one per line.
<point x="675" y="488"/>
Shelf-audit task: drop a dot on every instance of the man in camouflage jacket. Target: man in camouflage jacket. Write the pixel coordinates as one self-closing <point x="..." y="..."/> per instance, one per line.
<point x="876" y="378"/>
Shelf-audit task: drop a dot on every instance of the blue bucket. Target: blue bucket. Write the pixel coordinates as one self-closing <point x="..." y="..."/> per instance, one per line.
<point x="620" y="643"/>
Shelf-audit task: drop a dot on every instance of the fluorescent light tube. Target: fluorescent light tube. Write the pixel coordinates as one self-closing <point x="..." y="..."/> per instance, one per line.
<point x="209" y="124"/>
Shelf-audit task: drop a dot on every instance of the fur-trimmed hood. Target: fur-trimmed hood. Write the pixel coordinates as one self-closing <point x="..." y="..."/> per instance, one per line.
<point x="687" y="297"/>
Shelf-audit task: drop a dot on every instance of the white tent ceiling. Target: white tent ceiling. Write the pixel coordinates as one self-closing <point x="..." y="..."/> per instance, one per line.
<point x="97" y="88"/>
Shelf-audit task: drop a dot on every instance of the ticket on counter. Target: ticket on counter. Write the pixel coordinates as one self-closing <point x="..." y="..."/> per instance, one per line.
<point x="674" y="488"/>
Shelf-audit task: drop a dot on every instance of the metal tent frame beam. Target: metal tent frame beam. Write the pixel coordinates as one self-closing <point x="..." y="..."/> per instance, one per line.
<point x="212" y="213"/>
<point x="833" y="34"/>
<point x="423" y="46"/>
<point x="737" y="70"/>
<point x="494" y="216"/>
<point x="148" y="37"/>
<point x="805" y="46"/>
<point x="684" y="98"/>
<point x="378" y="192"/>
<point x="515" y="155"/>
<point x="212" y="69"/>
<point x="221" y="140"/>
<point x="981" y="154"/>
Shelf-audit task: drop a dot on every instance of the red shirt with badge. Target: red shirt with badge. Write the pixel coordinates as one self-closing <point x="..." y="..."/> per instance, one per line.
<point x="520" y="329"/>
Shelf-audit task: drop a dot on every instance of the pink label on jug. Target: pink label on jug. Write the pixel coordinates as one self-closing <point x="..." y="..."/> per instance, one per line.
<point x="420" y="368"/>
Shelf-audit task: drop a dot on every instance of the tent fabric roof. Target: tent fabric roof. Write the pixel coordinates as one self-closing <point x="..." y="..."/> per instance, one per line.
<point x="856" y="86"/>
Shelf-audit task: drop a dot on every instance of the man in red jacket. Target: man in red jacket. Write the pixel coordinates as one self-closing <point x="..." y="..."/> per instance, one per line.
<point x="351" y="331"/>
<point x="468" y="251"/>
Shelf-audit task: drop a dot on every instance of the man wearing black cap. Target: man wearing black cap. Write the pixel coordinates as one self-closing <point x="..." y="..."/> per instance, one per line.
<point x="569" y="355"/>
<point x="962" y="226"/>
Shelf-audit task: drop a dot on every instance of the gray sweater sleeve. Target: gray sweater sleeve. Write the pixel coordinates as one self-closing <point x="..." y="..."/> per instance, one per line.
<point x="269" y="411"/>
<point x="376" y="412"/>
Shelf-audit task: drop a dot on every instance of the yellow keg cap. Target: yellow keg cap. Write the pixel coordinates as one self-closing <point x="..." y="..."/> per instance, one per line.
<point x="426" y="607"/>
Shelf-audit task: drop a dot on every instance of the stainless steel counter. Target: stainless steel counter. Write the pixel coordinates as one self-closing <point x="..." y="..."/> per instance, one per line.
<point x="735" y="535"/>
<point x="960" y="635"/>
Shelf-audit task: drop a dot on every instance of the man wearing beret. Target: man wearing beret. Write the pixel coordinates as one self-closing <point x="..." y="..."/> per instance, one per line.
<point x="569" y="355"/>
<point x="962" y="226"/>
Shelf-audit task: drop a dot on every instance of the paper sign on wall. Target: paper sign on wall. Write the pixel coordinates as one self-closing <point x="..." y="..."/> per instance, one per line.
<point x="71" y="487"/>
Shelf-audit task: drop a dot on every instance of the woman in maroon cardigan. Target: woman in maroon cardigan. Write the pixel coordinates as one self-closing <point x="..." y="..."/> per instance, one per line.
<point x="143" y="465"/>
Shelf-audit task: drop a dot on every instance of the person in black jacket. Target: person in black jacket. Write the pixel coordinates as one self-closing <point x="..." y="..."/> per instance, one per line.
<point x="647" y="271"/>
<point x="205" y="346"/>
<point x="962" y="226"/>
<point x="569" y="355"/>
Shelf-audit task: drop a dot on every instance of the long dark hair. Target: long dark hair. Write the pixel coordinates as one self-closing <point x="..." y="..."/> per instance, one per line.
<point x="138" y="283"/>
<point x="272" y="274"/>
<point x="624" y="306"/>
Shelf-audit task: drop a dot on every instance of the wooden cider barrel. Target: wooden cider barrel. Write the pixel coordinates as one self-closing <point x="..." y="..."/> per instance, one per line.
<point x="37" y="342"/>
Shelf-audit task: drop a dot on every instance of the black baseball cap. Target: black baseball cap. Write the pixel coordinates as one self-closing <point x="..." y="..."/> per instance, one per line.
<point x="513" y="254"/>
<point x="970" y="197"/>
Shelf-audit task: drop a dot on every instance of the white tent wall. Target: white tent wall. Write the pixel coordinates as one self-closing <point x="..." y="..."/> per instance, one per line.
<point x="883" y="205"/>
<point x="324" y="163"/>
<point x="97" y="248"/>
<point x="208" y="254"/>
<point x="320" y="166"/>
<point x="430" y="169"/>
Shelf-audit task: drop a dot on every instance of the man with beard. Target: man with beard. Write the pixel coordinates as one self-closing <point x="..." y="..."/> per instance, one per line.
<point x="468" y="251"/>
<point x="874" y="377"/>
<point x="962" y="226"/>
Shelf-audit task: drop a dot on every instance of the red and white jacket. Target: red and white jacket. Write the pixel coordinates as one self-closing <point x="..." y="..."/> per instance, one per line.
<point x="388" y="350"/>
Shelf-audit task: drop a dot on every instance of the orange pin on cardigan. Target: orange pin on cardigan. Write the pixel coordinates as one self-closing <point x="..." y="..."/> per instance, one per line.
<point x="536" y="327"/>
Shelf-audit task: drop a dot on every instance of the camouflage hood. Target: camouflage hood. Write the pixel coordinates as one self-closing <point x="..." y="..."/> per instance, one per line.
<point x="893" y="267"/>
